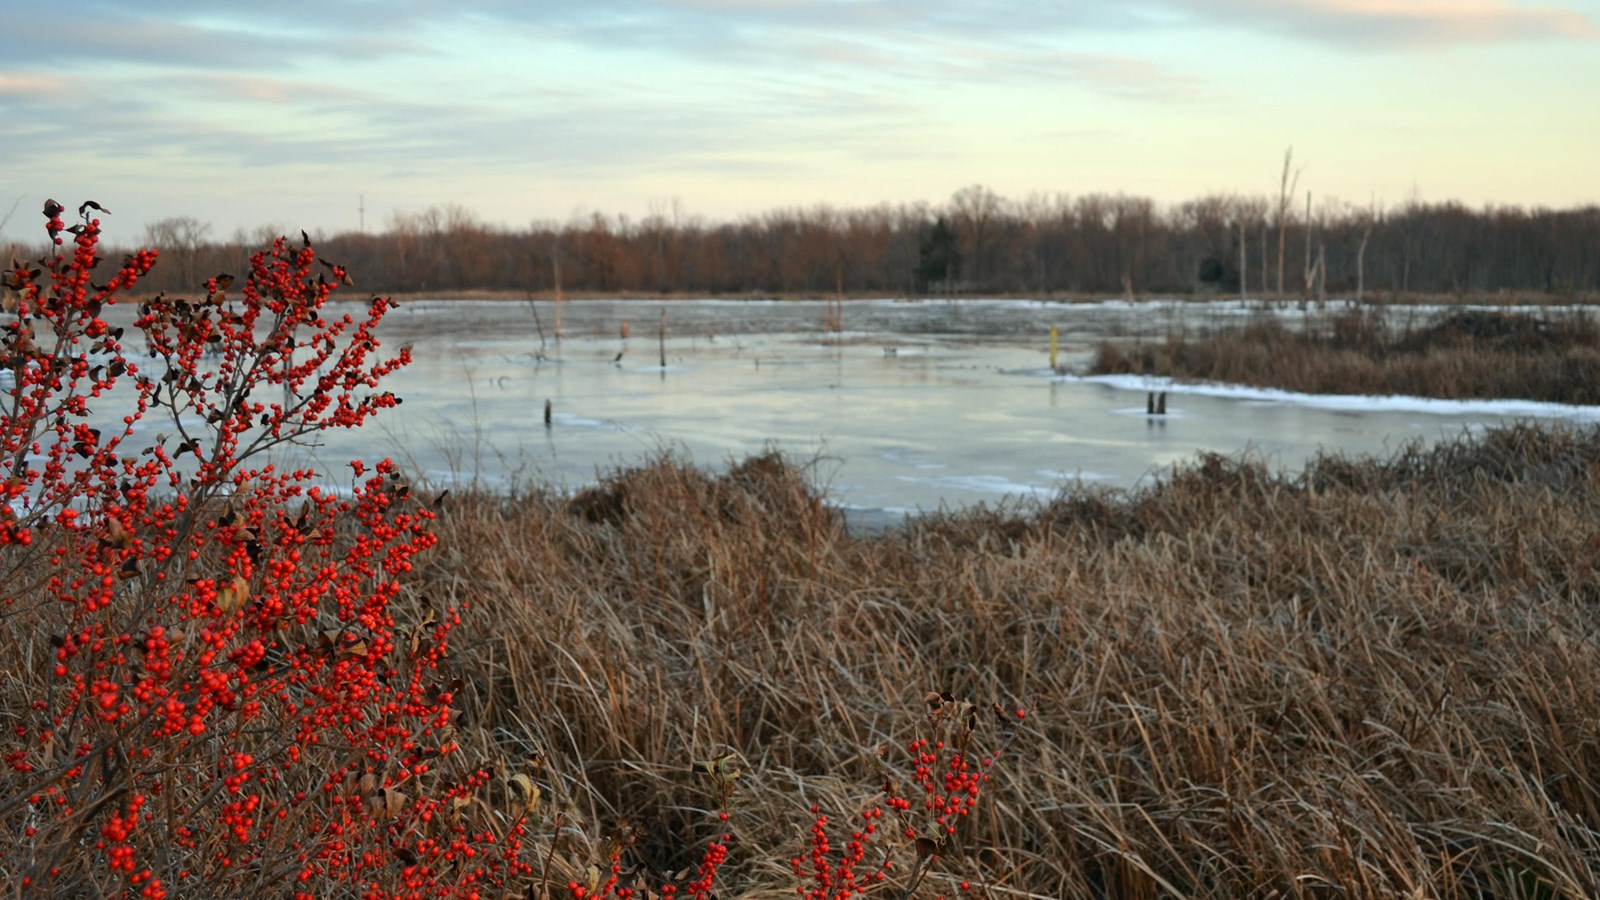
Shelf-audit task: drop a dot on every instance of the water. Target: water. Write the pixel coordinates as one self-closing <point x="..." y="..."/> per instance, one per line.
<point x="914" y="406"/>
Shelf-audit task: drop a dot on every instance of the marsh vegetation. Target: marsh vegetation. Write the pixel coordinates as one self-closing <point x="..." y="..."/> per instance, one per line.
<point x="1551" y="356"/>
<point x="1373" y="678"/>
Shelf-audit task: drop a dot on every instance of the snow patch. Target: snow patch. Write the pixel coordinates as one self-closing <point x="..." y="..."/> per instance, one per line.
<point x="1345" y="402"/>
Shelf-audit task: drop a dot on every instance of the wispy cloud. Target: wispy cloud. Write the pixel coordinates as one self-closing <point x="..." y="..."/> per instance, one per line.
<point x="188" y="36"/>
<point x="273" y="91"/>
<point x="1136" y="79"/>
<point x="1402" y="23"/>
<point x="593" y="93"/>
<point x="32" y="86"/>
<point x="250" y="86"/>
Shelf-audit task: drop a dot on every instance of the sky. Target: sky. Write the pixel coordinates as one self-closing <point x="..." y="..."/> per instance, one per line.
<point x="336" y="115"/>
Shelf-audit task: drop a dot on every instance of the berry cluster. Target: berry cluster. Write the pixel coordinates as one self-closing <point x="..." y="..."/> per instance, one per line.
<point x="232" y="700"/>
<point x="222" y="689"/>
<point x="944" y="785"/>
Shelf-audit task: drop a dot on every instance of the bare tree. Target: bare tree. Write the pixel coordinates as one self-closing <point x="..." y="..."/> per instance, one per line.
<point x="1322" y="274"/>
<point x="404" y="232"/>
<point x="1244" y="262"/>
<point x="1095" y="243"/>
<point x="1366" y="219"/>
<point x="6" y="219"/>
<point x="1286" y="189"/>
<point x="1250" y="211"/>
<point x="1313" y="264"/>
<point x="9" y="249"/>
<point x="656" y="229"/>
<point x="1307" y="262"/>
<point x="180" y="238"/>
<point x="975" y="208"/>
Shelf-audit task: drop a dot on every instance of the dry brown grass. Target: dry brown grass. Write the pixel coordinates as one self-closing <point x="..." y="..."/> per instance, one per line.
<point x="1552" y="357"/>
<point x="1373" y="679"/>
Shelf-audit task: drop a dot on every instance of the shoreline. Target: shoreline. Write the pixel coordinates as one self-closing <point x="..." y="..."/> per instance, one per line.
<point x="1062" y="298"/>
<point x="1376" y="299"/>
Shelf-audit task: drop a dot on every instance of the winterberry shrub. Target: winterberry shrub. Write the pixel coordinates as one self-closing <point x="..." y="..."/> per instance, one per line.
<point x="215" y="684"/>
<point x="929" y="799"/>
<point x="207" y="690"/>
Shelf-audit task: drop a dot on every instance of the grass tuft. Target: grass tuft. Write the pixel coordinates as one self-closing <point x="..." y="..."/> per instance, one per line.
<point x="1463" y="354"/>
<point x="1374" y="678"/>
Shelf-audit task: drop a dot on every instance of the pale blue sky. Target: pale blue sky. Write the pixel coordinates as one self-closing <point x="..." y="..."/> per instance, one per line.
<point x="287" y="112"/>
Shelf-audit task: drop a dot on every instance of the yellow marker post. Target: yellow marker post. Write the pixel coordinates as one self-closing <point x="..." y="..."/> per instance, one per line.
<point x="1052" y="347"/>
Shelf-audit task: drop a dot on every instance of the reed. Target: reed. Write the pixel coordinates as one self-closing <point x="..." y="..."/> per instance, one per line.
<point x="1373" y="678"/>
<point x="1553" y="357"/>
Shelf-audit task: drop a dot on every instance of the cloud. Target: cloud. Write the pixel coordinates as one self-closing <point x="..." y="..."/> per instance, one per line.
<point x="32" y="84"/>
<point x="173" y="36"/>
<point x="1034" y="63"/>
<point x="596" y="93"/>
<point x="289" y="33"/>
<point x="1135" y="79"/>
<point x="182" y="124"/>
<point x="270" y="91"/>
<point x="1401" y="23"/>
<point x="891" y="39"/>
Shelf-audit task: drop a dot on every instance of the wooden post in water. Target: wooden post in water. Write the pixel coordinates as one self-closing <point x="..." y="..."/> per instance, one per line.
<point x="547" y="412"/>
<point x="835" y="321"/>
<point x="662" y="337"/>
<point x="1052" y="348"/>
<point x="555" y="263"/>
<point x="1150" y="403"/>
<point x="1161" y="404"/>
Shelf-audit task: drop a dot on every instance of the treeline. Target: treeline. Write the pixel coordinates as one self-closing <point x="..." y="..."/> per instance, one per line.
<point x="977" y="243"/>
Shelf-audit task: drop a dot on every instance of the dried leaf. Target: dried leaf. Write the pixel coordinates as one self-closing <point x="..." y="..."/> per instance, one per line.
<point x="387" y="803"/>
<point x="117" y="534"/>
<point x="530" y="792"/>
<point x="233" y="595"/>
<point x="968" y="714"/>
<point x="723" y="769"/>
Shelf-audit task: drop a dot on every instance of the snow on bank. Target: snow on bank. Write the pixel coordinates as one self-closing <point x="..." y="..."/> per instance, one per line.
<point x="1346" y="402"/>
